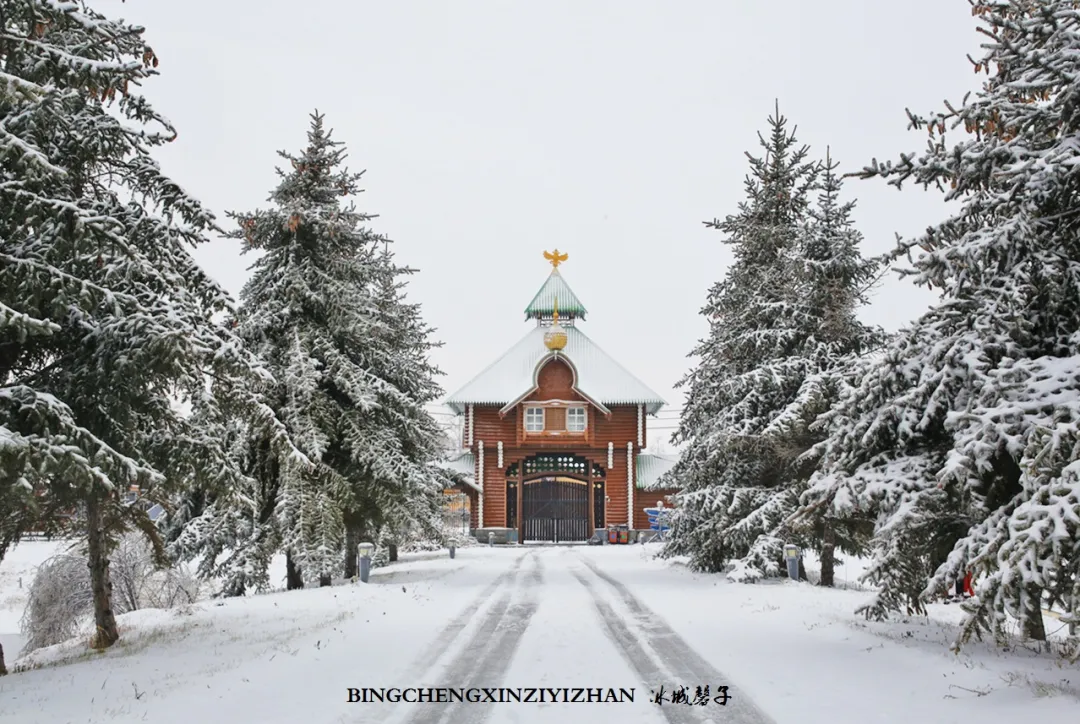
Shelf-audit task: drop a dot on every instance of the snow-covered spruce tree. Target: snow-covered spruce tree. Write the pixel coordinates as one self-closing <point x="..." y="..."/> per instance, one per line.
<point x="965" y="436"/>
<point x="323" y="308"/>
<point x="751" y="365"/>
<point x="829" y="280"/>
<point x="402" y="488"/>
<point x="106" y="322"/>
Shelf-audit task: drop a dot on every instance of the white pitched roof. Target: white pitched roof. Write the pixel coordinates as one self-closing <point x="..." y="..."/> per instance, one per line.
<point x="599" y="376"/>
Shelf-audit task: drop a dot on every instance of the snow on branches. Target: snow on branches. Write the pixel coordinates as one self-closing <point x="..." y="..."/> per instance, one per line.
<point x="968" y="425"/>
<point x="782" y="327"/>
<point x="325" y="309"/>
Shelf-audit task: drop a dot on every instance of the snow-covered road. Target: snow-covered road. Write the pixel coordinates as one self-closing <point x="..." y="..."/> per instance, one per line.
<point x="553" y="620"/>
<point x="544" y="621"/>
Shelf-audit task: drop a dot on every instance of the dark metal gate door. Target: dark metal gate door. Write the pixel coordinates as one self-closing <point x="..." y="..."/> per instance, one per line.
<point x="556" y="510"/>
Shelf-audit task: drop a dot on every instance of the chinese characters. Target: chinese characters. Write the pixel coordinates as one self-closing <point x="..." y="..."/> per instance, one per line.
<point x="699" y="696"/>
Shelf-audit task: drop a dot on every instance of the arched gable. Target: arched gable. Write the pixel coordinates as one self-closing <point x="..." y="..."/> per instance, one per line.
<point x="554" y="377"/>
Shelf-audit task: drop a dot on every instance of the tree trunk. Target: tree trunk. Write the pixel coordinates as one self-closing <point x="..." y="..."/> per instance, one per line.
<point x="392" y="552"/>
<point x="324" y="580"/>
<point x="106" y="632"/>
<point x="1033" y="621"/>
<point x="352" y="550"/>
<point x="828" y="555"/>
<point x="3" y="669"/>
<point x="802" y="570"/>
<point x="293" y="579"/>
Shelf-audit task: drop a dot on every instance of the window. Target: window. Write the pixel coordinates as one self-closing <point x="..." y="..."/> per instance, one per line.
<point x="575" y="419"/>
<point x="534" y="419"/>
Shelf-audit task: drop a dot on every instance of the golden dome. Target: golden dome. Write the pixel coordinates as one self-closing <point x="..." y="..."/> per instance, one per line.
<point x="555" y="337"/>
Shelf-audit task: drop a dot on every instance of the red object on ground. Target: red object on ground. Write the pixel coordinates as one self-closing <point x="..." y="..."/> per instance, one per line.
<point x="613" y="536"/>
<point x="967" y="585"/>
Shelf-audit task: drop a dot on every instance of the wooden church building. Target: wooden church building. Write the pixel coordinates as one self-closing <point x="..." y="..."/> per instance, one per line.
<point x="554" y="432"/>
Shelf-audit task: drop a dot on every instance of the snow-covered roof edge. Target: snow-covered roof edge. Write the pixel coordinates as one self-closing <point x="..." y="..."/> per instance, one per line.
<point x="462" y="469"/>
<point x="602" y="378"/>
<point x="650" y="468"/>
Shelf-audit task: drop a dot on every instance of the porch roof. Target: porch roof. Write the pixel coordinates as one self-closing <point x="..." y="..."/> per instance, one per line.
<point x="649" y="467"/>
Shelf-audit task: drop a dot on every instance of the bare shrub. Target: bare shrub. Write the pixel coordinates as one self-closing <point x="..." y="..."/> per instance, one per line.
<point x="139" y="583"/>
<point x="61" y="603"/>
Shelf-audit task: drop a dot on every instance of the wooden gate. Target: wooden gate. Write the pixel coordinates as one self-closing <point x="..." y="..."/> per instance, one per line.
<point x="556" y="509"/>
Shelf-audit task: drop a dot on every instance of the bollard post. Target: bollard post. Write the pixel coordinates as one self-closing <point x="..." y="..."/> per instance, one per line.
<point x="792" y="555"/>
<point x="366" y="550"/>
<point x="453" y="549"/>
<point x="491" y="539"/>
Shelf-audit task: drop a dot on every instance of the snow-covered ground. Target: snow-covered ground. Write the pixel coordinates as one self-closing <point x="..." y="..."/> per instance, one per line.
<point x="555" y="617"/>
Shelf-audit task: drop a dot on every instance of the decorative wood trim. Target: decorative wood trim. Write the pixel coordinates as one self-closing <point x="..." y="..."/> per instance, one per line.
<point x="610" y="455"/>
<point x="500" y="449"/>
<point x="470" y="428"/>
<point x="629" y="484"/>
<point x="562" y="434"/>
<point x="555" y="403"/>
<point x="640" y="424"/>
<point x="480" y="482"/>
<point x="536" y="386"/>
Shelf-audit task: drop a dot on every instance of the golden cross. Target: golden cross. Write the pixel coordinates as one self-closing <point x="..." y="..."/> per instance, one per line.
<point x="555" y="257"/>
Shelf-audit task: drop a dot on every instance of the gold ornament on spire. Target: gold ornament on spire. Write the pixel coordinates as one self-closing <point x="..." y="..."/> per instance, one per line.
<point x="555" y="258"/>
<point x="555" y="337"/>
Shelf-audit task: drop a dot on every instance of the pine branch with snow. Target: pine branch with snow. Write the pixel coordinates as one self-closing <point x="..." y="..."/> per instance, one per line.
<point x="325" y="310"/>
<point x="108" y="327"/>
<point x="970" y="420"/>
<point x="782" y="326"/>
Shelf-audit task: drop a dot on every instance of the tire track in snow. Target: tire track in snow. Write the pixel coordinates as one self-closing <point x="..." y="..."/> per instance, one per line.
<point x="446" y="638"/>
<point x="633" y="652"/>
<point x="484" y="661"/>
<point x="661" y="657"/>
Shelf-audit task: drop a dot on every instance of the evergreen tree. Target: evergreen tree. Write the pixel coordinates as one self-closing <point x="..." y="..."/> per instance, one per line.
<point x="829" y="284"/>
<point x="750" y="365"/>
<point x="106" y="322"/>
<point x="411" y="507"/>
<point x="324" y="309"/>
<point x="963" y="440"/>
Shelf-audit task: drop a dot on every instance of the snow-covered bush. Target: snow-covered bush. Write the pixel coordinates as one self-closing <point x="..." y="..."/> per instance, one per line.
<point x="60" y="604"/>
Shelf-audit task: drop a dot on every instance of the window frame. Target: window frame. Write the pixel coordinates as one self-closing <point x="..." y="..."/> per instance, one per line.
<point x="533" y="412"/>
<point x="572" y="413"/>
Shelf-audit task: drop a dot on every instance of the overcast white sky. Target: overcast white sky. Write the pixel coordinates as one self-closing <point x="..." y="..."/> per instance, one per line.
<point x="491" y="131"/>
